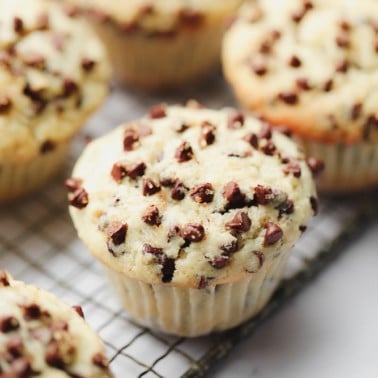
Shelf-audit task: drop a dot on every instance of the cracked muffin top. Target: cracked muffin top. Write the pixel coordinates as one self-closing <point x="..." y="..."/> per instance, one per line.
<point x="191" y="196"/>
<point x="41" y="336"/>
<point x="53" y="74"/>
<point x="157" y="15"/>
<point x="311" y="65"/>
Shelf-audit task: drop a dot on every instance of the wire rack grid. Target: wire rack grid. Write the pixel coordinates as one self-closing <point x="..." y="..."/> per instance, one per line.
<point x="39" y="245"/>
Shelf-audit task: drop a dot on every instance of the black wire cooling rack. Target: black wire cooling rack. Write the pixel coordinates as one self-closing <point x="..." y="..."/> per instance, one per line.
<point x="39" y="245"/>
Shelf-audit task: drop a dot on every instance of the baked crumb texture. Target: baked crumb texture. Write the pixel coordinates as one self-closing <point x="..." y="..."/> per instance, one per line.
<point x="41" y="336"/>
<point x="188" y="205"/>
<point x="313" y="66"/>
<point x="53" y="75"/>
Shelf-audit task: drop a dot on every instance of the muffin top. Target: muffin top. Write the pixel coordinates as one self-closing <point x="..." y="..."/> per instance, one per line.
<point x="41" y="336"/>
<point x="312" y="65"/>
<point x="189" y="196"/>
<point x="159" y="16"/>
<point x="53" y="74"/>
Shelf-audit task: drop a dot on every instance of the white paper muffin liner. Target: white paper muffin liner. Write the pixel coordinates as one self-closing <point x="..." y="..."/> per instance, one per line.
<point x="160" y="62"/>
<point x="348" y="168"/>
<point x="17" y="179"/>
<point x="193" y="312"/>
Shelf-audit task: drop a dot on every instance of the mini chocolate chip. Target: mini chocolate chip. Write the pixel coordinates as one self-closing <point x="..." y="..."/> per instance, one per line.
<point x="157" y="111"/>
<point x="265" y="47"/>
<point x="116" y="232"/>
<point x="298" y="16"/>
<point x="295" y="62"/>
<point x="8" y="324"/>
<point x="263" y="195"/>
<point x="328" y="85"/>
<point x="87" y="64"/>
<point x="233" y="195"/>
<point x="181" y="127"/>
<point x="178" y="191"/>
<point x="53" y="355"/>
<point x="32" y="311"/>
<point x="293" y="167"/>
<point x="316" y="166"/>
<point x="230" y="247"/>
<point x="356" y="111"/>
<point x="118" y="172"/>
<point x="72" y="184"/>
<point x="314" y="205"/>
<point x="207" y="136"/>
<point x="78" y="198"/>
<point x="202" y="193"/>
<point x="203" y="282"/>
<point x="219" y="262"/>
<point x="135" y="170"/>
<point x="168" y="269"/>
<point x="20" y="368"/>
<point x="284" y="130"/>
<point x="100" y="360"/>
<point x="47" y="146"/>
<point x="130" y="139"/>
<point x="15" y="345"/>
<point x="303" y="84"/>
<point x="235" y="120"/>
<point x="265" y="131"/>
<point x="184" y="152"/>
<point x="4" y="279"/>
<point x="259" y="68"/>
<point x="191" y="17"/>
<point x="344" y="25"/>
<point x="343" y="41"/>
<point x="167" y="182"/>
<point x="273" y="233"/>
<point x="289" y="98"/>
<point x="5" y="104"/>
<point x="150" y="187"/>
<point x="173" y="232"/>
<point x="252" y="139"/>
<point x="18" y="25"/>
<point x="193" y="232"/>
<point x="240" y="222"/>
<point x="342" y="66"/>
<point x="151" y="216"/>
<point x="302" y="228"/>
<point x="285" y="207"/>
<point x="148" y="248"/>
<point x="261" y="258"/>
<point x="268" y="147"/>
<point x="79" y="311"/>
<point x="69" y="87"/>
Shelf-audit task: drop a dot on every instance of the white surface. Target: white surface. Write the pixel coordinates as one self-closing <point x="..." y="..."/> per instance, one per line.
<point x="329" y="330"/>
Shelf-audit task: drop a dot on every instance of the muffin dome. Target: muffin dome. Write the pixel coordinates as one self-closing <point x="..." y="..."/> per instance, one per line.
<point x="53" y="74"/>
<point x="191" y="196"/>
<point x="41" y="336"/>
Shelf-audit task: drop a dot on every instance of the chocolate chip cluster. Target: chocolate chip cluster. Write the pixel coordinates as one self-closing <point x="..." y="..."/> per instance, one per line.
<point x="192" y="140"/>
<point x="31" y="328"/>
<point x="41" y="87"/>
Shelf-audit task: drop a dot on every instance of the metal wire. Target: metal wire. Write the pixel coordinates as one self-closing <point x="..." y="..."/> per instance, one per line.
<point x="39" y="245"/>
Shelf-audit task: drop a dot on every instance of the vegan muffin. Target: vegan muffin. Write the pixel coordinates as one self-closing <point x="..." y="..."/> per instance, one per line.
<point x="193" y="212"/>
<point x="160" y="44"/>
<point x="42" y="337"/>
<point x="313" y="66"/>
<point x="53" y="75"/>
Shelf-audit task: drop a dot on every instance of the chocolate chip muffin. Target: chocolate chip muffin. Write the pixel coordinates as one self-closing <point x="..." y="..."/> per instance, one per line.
<point x="193" y="212"/>
<point x="53" y="75"/>
<point x="42" y="337"/>
<point x="313" y="66"/>
<point x="159" y="44"/>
